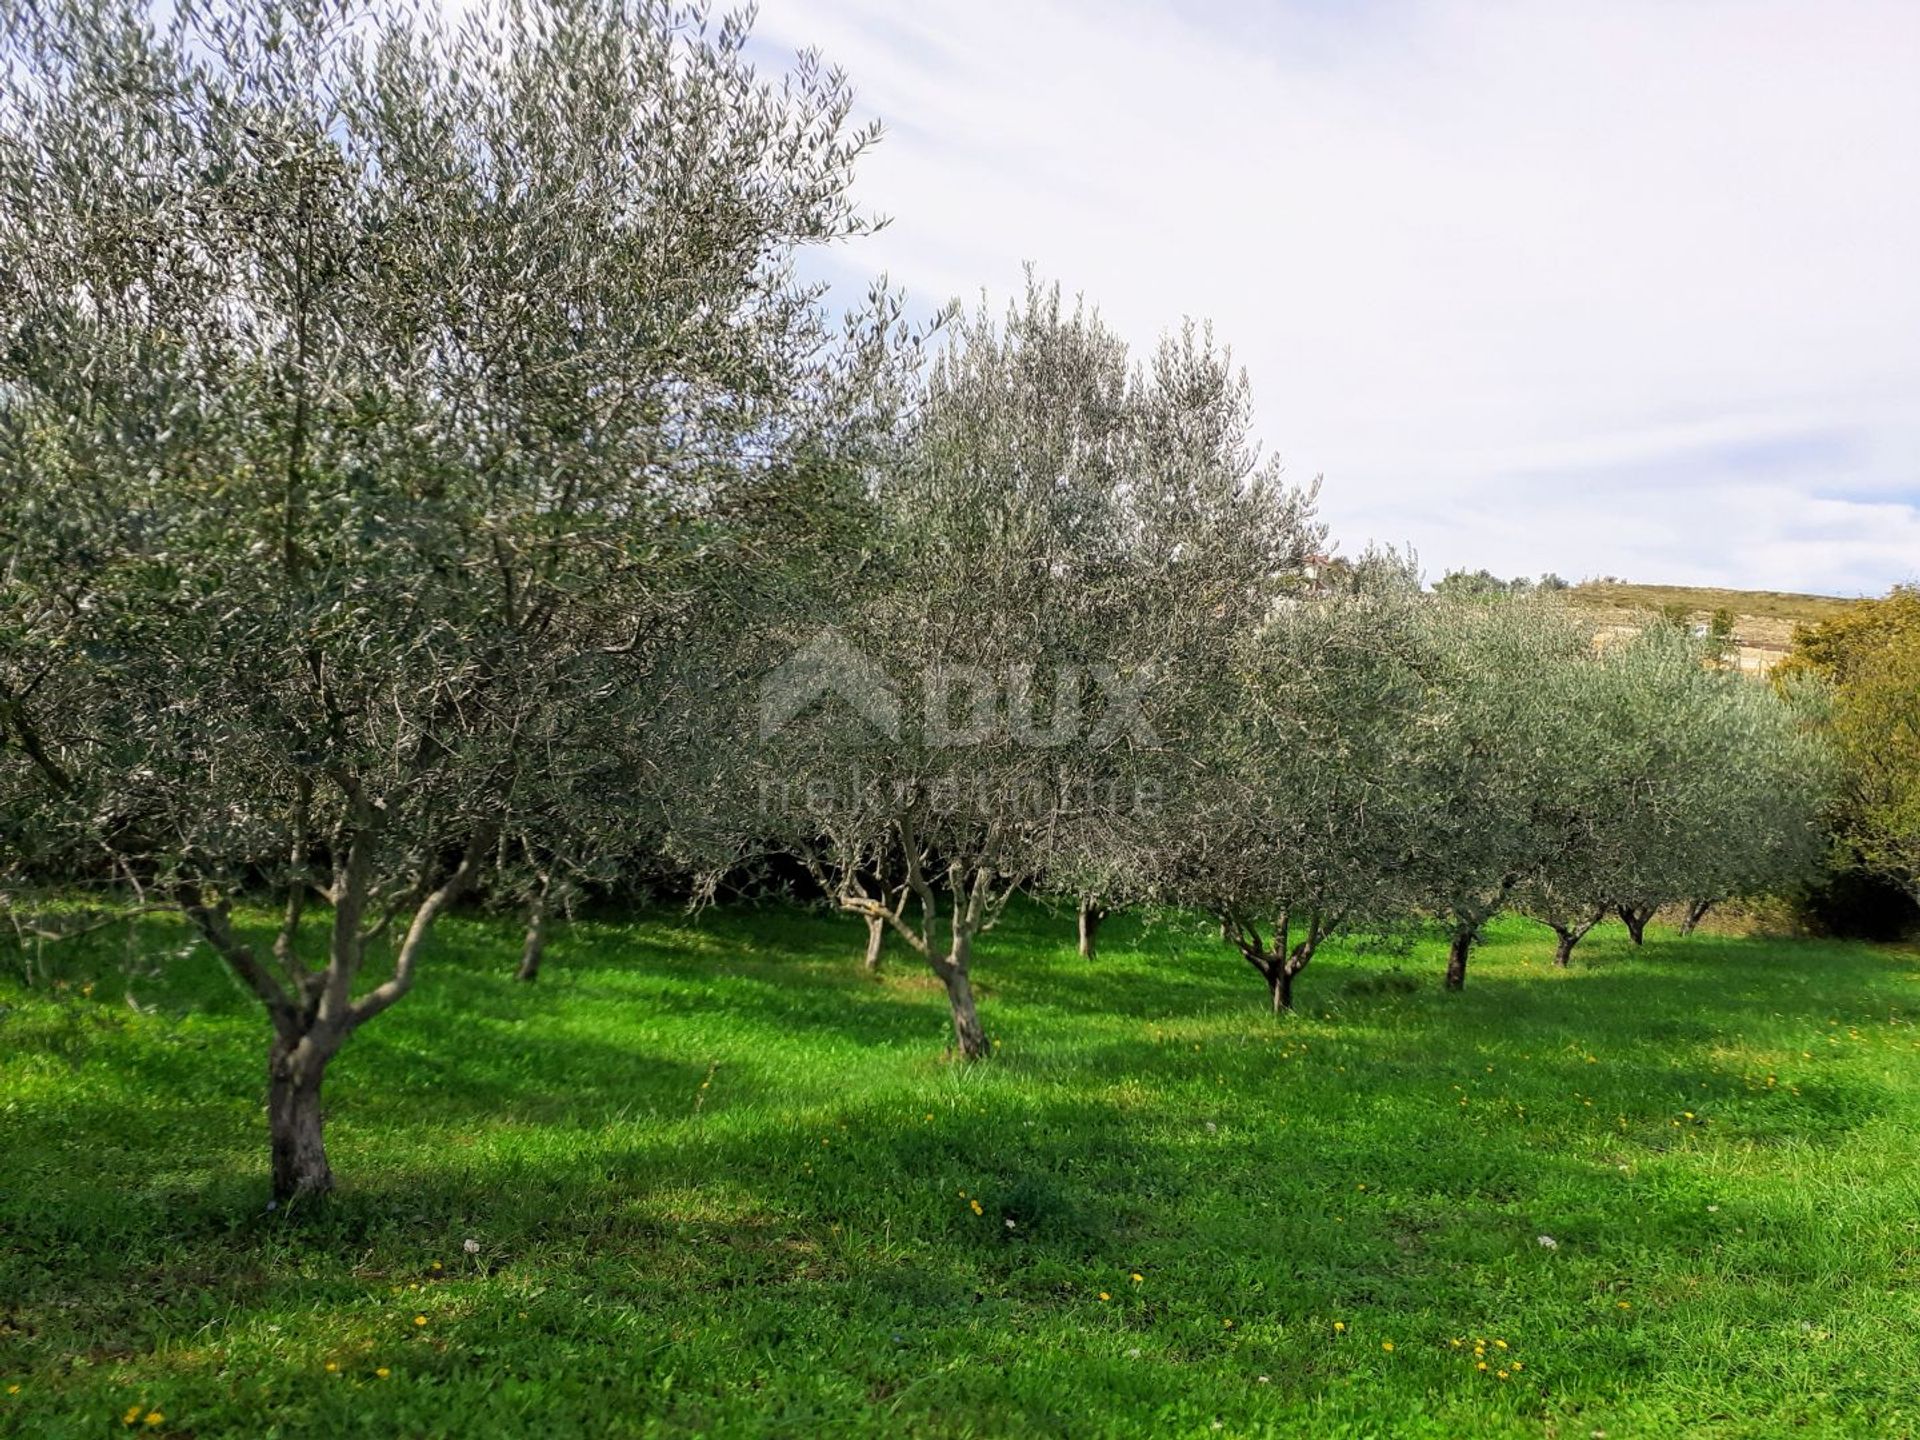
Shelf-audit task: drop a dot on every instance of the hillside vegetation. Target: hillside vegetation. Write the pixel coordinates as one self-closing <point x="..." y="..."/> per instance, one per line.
<point x="1763" y="619"/>
<point x="709" y="1179"/>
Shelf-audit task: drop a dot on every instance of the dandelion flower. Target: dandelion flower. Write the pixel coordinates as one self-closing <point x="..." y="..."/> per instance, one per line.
<point x="1386" y="1345"/>
<point x="1339" y="1327"/>
<point x="1623" y="1304"/>
<point x="1481" y="1366"/>
<point x="383" y="1372"/>
<point x="976" y="1207"/>
<point x="1105" y="1296"/>
<point x="1228" y="1323"/>
<point x="133" y="1414"/>
<point x="1137" y="1277"/>
<point x="332" y="1368"/>
<point x="419" y="1319"/>
<point x="1501" y="1343"/>
<point x="154" y="1417"/>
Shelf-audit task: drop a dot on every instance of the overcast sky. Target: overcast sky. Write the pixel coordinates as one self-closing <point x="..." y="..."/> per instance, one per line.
<point x="1624" y="288"/>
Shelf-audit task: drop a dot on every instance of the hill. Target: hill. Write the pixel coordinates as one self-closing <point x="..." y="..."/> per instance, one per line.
<point x="1764" y="620"/>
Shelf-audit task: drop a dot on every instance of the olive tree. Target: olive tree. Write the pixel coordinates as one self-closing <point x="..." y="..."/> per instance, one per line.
<point x="1486" y="752"/>
<point x="1714" y="782"/>
<point x="1669" y="778"/>
<point x="1303" y="822"/>
<point x="383" y="400"/>
<point x="1060" y="532"/>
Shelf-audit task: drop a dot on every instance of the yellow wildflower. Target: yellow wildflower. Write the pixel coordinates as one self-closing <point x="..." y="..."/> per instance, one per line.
<point x="383" y="1372"/>
<point x="1105" y="1296"/>
<point x="154" y="1417"/>
<point x="1339" y="1327"/>
<point x="419" y="1319"/>
<point x="1386" y="1345"/>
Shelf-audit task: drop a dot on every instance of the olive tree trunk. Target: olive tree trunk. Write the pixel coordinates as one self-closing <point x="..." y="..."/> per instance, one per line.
<point x="295" y="1121"/>
<point x="952" y="970"/>
<point x="534" y="948"/>
<point x="1457" y="951"/>
<point x="1635" y="919"/>
<point x="1570" y="935"/>
<point x="876" y="938"/>
<point x="313" y="1010"/>
<point x="1696" y="912"/>
<point x="1091" y="914"/>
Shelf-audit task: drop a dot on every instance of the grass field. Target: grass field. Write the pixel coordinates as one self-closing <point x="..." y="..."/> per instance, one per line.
<point x="721" y="1183"/>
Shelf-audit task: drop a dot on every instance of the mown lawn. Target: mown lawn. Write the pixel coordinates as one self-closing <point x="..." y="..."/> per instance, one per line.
<point x="721" y="1183"/>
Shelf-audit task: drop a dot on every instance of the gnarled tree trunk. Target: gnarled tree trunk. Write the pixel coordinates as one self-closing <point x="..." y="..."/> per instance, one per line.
<point x="952" y="970"/>
<point x="1091" y="914"/>
<point x="1696" y="912"/>
<point x="1570" y="936"/>
<point x="535" y="945"/>
<point x="1457" y="950"/>
<point x="876" y="938"/>
<point x="1636" y="918"/>
<point x="295" y="1121"/>
<point x="1280" y="982"/>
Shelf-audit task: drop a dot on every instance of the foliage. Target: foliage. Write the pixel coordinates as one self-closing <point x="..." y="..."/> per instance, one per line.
<point x="1672" y="779"/>
<point x="1303" y="820"/>
<point x="385" y="411"/>
<point x="1871" y="655"/>
<point x="1065" y="544"/>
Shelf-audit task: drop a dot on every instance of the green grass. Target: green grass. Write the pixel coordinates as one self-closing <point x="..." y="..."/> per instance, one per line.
<point x="723" y="1184"/>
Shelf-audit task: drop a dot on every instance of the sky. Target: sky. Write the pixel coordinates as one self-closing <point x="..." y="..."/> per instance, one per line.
<point x="1627" y="288"/>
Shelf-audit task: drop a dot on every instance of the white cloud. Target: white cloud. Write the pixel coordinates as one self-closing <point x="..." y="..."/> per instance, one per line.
<point x="1624" y="287"/>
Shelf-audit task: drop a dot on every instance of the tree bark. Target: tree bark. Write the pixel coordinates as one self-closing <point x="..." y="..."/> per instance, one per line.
<point x="952" y="970"/>
<point x="1457" y="950"/>
<point x="295" y="1120"/>
<point x="1636" y="922"/>
<point x="1696" y="912"/>
<point x="535" y="945"/>
<point x="1091" y="914"/>
<point x="876" y="937"/>
<point x="1563" y="950"/>
<point x="1280" y="982"/>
